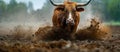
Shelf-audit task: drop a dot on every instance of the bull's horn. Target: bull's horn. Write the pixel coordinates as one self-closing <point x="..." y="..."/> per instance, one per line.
<point x="83" y="4"/>
<point x="57" y="4"/>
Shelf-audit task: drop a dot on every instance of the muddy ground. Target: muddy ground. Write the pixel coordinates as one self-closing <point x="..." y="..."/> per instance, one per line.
<point x="48" y="39"/>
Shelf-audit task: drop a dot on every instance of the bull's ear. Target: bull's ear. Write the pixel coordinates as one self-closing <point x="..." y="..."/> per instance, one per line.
<point x="80" y="9"/>
<point x="60" y="8"/>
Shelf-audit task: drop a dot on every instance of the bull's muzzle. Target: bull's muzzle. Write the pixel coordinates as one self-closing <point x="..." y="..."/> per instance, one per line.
<point x="70" y="20"/>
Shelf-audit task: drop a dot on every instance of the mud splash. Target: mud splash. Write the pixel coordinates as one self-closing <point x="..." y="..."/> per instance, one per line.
<point x="96" y="31"/>
<point x="50" y="39"/>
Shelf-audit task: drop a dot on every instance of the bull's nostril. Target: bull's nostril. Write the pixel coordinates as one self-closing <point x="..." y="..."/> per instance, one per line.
<point x="70" y="22"/>
<point x="67" y="21"/>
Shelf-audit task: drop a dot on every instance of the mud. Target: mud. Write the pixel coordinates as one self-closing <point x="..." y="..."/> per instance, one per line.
<point x="96" y="31"/>
<point x="95" y="38"/>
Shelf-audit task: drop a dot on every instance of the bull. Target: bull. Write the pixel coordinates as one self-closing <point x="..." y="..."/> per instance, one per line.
<point x="66" y="15"/>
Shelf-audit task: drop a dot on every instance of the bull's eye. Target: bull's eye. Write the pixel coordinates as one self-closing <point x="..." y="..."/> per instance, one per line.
<point x="61" y="9"/>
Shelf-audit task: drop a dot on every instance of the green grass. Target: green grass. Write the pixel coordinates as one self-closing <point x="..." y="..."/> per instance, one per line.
<point x="113" y="23"/>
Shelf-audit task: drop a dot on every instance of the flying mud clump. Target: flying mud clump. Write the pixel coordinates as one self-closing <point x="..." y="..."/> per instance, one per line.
<point x="96" y="31"/>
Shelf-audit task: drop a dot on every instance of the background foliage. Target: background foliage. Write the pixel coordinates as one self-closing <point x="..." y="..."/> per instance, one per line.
<point x="109" y="9"/>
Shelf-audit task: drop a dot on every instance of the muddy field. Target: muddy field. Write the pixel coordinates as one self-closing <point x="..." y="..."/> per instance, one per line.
<point x="49" y="39"/>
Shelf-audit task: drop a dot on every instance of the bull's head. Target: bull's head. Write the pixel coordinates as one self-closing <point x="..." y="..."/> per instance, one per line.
<point x="67" y="14"/>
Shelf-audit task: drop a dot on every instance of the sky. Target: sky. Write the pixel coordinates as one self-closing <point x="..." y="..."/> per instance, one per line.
<point x="37" y="4"/>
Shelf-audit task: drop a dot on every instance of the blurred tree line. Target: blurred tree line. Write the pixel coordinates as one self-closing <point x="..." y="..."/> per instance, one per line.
<point x="110" y="9"/>
<point x="12" y="10"/>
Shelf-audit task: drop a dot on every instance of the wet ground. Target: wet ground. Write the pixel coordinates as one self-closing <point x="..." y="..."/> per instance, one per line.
<point x="49" y="39"/>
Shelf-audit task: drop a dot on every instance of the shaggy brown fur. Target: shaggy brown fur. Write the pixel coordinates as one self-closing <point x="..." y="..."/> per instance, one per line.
<point x="61" y="14"/>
